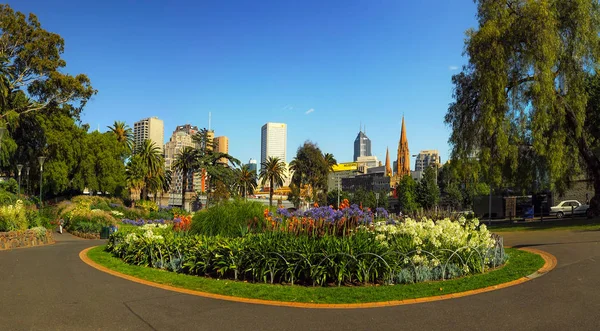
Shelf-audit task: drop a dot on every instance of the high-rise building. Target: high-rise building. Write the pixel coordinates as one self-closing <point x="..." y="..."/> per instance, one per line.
<point x="362" y="145"/>
<point x="273" y="141"/>
<point x="181" y="138"/>
<point x="222" y="146"/>
<point x="252" y="165"/>
<point x="149" y="128"/>
<point x="403" y="154"/>
<point x="426" y="159"/>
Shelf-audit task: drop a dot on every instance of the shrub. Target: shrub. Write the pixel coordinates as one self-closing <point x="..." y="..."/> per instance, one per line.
<point x="13" y="217"/>
<point x="86" y="227"/>
<point x="10" y="185"/>
<point x="7" y="198"/>
<point x="230" y="219"/>
<point x="147" y="205"/>
<point x="161" y="214"/>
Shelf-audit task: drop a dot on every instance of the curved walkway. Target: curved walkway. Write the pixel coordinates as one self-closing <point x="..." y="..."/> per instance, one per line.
<point x="50" y="288"/>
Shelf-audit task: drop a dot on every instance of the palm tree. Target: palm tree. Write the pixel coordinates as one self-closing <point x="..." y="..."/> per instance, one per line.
<point x="186" y="161"/>
<point x="124" y="135"/>
<point x="272" y="171"/>
<point x="135" y="174"/>
<point x="330" y="161"/>
<point x="152" y="159"/>
<point x="246" y="180"/>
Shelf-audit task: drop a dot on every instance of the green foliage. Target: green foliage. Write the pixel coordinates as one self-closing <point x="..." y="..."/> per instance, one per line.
<point x="7" y="198"/>
<point x="13" y="217"/>
<point x="86" y="227"/>
<point x="230" y="218"/>
<point x="452" y="198"/>
<point x="407" y="194"/>
<point x="428" y="192"/>
<point x="310" y="168"/>
<point x="520" y="103"/>
<point x="10" y="185"/>
<point x="162" y="214"/>
<point x="332" y="197"/>
<point x="282" y="257"/>
<point x="147" y="205"/>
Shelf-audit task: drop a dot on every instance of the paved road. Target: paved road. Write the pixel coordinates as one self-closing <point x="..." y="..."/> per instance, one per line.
<point x="49" y="288"/>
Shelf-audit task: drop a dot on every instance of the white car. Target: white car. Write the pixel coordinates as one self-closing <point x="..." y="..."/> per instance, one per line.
<point x="567" y="207"/>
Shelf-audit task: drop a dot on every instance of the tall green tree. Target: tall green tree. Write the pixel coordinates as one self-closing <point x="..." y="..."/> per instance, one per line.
<point x="525" y="86"/>
<point x="310" y="169"/>
<point x="135" y="175"/>
<point x="272" y="171"/>
<point x="185" y="163"/>
<point x="150" y="156"/>
<point x="428" y="192"/>
<point x="406" y="191"/>
<point x="33" y="69"/>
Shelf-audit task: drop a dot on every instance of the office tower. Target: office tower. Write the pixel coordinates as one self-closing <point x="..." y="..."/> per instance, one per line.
<point x="252" y="165"/>
<point x="273" y="142"/>
<point x="426" y="159"/>
<point x="149" y="128"/>
<point x="362" y="145"/>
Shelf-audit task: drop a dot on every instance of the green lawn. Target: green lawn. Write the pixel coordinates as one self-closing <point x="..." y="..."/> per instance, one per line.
<point x="520" y="264"/>
<point x="578" y="224"/>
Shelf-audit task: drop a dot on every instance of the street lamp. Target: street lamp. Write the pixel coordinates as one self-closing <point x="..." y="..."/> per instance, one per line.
<point x="41" y="161"/>
<point x="27" y="174"/>
<point x="19" y="168"/>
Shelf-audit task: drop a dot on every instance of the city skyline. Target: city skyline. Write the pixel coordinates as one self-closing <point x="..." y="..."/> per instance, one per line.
<point x="348" y="74"/>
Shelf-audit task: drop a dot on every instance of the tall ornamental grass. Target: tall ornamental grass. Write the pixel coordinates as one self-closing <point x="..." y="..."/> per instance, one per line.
<point x="229" y="219"/>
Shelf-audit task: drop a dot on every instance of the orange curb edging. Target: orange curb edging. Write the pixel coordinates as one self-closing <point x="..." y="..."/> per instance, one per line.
<point x="550" y="263"/>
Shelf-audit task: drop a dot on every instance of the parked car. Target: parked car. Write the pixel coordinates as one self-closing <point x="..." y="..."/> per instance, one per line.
<point x="567" y="207"/>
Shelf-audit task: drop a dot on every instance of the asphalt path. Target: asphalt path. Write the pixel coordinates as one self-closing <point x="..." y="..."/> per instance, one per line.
<point x="50" y="288"/>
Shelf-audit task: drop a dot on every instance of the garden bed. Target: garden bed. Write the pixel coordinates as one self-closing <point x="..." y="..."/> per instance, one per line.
<point x="521" y="264"/>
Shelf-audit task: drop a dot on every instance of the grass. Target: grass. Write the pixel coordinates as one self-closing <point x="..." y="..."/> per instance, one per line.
<point x="577" y="224"/>
<point x="520" y="264"/>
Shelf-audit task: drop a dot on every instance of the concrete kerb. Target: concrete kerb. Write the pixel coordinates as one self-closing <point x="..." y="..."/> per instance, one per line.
<point x="549" y="259"/>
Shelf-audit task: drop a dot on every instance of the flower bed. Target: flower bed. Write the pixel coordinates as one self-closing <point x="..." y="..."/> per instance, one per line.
<point x="364" y="253"/>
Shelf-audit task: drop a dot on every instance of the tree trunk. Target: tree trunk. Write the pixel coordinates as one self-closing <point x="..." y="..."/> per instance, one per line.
<point x="183" y="188"/>
<point x="271" y="193"/>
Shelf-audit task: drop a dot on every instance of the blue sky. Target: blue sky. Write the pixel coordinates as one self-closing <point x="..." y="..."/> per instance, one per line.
<point x="322" y="67"/>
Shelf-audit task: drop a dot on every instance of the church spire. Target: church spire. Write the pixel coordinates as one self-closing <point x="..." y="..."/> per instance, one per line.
<point x="403" y="162"/>
<point x="388" y="167"/>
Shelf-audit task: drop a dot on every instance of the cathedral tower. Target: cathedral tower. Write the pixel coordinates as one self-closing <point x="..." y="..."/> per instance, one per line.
<point x="403" y="154"/>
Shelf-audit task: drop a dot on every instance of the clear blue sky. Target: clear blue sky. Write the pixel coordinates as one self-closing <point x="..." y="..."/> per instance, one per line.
<point x="252" y="62"/>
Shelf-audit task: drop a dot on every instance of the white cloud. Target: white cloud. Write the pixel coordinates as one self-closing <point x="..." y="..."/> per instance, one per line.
<point x="309" y="111"/>
<point x="453" y="68"/>
<point x="288" y="107"/>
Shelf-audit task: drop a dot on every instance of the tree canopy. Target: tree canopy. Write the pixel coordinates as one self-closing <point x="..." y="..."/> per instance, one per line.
<point x="524" y="90"/>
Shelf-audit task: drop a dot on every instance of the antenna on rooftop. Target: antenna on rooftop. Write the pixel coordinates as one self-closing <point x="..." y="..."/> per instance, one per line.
<point x="209" y="116"/>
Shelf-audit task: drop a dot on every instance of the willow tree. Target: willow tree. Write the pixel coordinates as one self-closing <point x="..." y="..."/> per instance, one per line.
<point x="524" y="88"/>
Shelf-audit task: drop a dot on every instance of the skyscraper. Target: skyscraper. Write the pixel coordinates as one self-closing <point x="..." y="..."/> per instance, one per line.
<point x="273" y="141"/>
<point x="222" y="146"/>
<point x="403" y="154"/>
<point x="362" y="145"/>
<point x="149" y="128"/>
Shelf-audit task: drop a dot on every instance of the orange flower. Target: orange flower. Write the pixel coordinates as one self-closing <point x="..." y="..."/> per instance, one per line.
<point x="316" y="205"/>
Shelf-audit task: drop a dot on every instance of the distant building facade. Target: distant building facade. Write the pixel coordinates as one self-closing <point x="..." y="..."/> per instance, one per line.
<point x="181" y="138"/>
<point x="152" y="129"/>
<point x="362" y="146"/>
<point x="222" y="146"/>
<point x="273" y="141"/>
<point x="426" y="159"/>
<point x="340" y="171"/>
<point x="252" y="165"/>
<point x="376" y="182"/>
